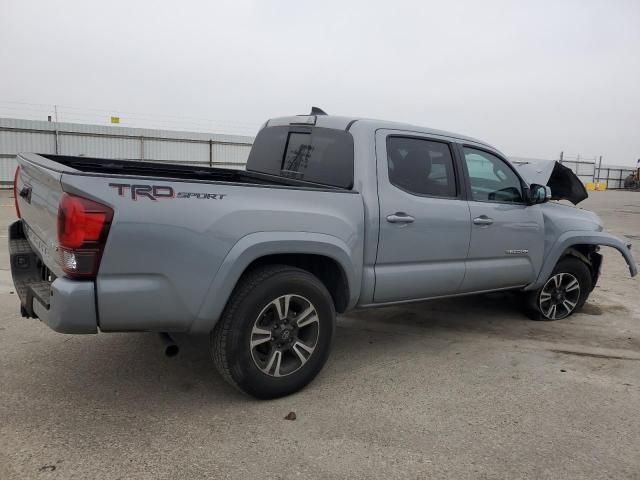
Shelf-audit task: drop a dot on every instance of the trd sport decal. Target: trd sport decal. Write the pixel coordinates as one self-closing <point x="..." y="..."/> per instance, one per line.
<point x="158" y="192"/>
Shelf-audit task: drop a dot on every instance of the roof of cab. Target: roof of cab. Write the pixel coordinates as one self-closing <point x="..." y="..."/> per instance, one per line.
<point x="344" y="123"/>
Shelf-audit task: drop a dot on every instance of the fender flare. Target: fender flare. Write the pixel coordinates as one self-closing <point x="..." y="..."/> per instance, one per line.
<point x="259" y="244"/>
<point x="569" y="239"/>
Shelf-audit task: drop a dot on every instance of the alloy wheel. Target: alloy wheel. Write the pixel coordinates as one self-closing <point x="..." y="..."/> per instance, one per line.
<point x="284" y="335"/>
<point x="559" y="296"/>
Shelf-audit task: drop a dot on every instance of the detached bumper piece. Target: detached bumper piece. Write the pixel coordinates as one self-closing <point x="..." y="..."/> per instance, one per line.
<point x="66" y="306"/>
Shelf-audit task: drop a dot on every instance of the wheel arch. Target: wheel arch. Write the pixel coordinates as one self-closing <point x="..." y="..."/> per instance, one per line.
<point x="326" y="256"/>
<point x="326" y="268"/>
<point x="583" y="245"/>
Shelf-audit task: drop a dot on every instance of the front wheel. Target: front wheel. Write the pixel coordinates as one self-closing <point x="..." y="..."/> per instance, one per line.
<point x="275" y="333"/>
<point x="565" y="291"/>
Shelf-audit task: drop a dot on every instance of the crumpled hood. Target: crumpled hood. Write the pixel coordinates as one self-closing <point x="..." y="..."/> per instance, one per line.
<point x="564" y="218"/>
<point x="564" y="184"/>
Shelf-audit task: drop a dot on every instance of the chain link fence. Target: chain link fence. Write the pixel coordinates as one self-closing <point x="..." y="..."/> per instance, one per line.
<point x="590" y="169"/>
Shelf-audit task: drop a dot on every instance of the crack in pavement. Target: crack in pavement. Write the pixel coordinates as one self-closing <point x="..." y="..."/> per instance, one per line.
<point x="593" y="355"/>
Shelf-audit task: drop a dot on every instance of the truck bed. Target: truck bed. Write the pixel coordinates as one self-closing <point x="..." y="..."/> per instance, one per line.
<point x="179" y="238"/>
<point x="142" y="168"/>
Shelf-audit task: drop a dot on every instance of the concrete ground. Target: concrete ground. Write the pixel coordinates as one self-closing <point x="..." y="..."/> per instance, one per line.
<point x="464" y="388"/>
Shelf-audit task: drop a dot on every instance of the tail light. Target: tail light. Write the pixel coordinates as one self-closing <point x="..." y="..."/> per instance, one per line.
<point x="83" y="226"/>
<point x="15" y="191"/>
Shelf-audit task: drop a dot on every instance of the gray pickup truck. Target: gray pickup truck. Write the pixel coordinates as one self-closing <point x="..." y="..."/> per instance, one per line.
<point x="332" y="213"/>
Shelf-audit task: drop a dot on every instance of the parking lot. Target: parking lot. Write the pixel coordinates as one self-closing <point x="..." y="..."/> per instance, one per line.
<point x="460" y="388"/>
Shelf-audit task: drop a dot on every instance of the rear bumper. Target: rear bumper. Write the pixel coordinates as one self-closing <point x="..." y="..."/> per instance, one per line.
<point x="66" y="306"/>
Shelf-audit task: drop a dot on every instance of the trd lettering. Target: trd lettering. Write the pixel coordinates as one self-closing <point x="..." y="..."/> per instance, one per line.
<point x="152" y="192"/>
<point x="156" y="192"/>
<point x="211" y="196"/>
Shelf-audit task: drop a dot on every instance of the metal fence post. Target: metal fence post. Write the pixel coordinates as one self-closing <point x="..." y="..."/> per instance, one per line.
<point x="561" y="156"/>
<point x="57" y="142"/>
<point x="141" y="147"/>
<point x="211" y="153"/>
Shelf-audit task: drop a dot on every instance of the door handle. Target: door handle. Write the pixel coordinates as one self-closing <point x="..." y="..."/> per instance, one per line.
<point x="482" y="220"/>
<point x="400" y="217"/>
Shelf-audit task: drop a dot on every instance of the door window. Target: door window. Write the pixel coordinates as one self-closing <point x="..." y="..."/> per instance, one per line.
<point x="491" y="179"/>
<point x="421" y="167"/>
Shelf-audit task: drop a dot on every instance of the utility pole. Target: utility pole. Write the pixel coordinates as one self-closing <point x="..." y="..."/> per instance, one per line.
<point x="55" y="111"/>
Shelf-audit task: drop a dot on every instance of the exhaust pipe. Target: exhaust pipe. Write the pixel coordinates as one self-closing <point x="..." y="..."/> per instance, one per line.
<point x="170" y="347"/>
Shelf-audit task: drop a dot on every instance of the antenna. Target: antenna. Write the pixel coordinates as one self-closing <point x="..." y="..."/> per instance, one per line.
<point x="317" y="111"/>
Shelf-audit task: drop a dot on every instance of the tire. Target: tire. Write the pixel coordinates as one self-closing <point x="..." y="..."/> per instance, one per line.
<point x="567" y="288"/>
<point x="253" y="329"/>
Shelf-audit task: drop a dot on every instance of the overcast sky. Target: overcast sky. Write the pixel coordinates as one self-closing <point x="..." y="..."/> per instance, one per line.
<point x="533" y="78"/>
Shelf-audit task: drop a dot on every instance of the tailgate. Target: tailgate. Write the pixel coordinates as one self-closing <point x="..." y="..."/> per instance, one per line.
<point x="38" y="192"/>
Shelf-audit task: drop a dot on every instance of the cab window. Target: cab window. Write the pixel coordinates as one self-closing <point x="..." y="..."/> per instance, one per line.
<point x="491" y="179"/>
<point x="421" y="167"/>
<point x="318" y="155"/>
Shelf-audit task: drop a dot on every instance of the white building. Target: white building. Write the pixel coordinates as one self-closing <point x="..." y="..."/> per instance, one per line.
<point x="17" y="136"/>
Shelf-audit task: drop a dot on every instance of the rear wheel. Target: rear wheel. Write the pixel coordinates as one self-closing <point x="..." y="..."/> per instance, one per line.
<point x="565" y="291"/>
<point x="276" y="332"/>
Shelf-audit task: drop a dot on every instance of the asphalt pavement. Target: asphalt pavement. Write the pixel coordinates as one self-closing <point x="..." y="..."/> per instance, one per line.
<point x="460" y="388"/>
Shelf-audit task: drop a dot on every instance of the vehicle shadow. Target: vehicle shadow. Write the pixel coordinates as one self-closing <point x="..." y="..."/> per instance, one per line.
<point x="436" y="324"/>
<point x="129" y="371"/>
<point x="127" y="375"/>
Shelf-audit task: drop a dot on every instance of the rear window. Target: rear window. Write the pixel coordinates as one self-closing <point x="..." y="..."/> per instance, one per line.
<point x="318" y="155"/>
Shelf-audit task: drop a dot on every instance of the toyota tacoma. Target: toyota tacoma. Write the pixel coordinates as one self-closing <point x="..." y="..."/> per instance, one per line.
<point x="332" y="213"/>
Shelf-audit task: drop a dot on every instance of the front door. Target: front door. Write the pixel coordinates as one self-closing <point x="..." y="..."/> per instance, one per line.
<point x="424" y="221"/>
<point x="507" y="234"/>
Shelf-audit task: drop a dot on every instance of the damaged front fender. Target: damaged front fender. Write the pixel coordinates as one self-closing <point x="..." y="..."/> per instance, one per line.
<point x="574" y="238"/>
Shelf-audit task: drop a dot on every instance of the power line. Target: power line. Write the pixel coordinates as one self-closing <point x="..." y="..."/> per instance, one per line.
<point x="73" y="114"/>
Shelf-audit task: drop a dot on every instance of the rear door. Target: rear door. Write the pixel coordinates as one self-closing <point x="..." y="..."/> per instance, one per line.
<point x="507" y="234"/>
<point x="424" y="218"/>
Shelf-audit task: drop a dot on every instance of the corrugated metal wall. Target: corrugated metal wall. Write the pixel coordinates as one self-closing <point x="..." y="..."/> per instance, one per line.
<point x="17" y="136"/>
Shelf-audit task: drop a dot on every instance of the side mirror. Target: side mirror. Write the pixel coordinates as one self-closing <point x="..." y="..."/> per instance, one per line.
<point x="539" y="194"/>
